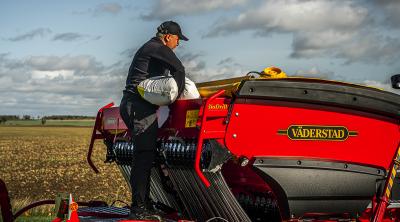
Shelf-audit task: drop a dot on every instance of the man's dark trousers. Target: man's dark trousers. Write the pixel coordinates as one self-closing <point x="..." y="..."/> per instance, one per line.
<point x="140" y="117"/>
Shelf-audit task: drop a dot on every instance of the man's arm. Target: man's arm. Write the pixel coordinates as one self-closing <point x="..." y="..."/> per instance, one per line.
<point x="174" y="64"/>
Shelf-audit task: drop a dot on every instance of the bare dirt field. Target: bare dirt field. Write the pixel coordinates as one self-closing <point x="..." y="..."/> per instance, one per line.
<point x="38" y="162"/>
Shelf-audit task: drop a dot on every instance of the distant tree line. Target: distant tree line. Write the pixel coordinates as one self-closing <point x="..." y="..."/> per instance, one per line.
<point x="5" y="118"/>
<point x="67" y="117"/>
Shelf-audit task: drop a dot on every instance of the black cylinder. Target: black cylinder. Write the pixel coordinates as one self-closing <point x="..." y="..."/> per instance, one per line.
<point x="395" y="81"/>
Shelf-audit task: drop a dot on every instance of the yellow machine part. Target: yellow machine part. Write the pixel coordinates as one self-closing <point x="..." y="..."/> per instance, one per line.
<point x="272" y="72"/>
<point x="207" y="89"/>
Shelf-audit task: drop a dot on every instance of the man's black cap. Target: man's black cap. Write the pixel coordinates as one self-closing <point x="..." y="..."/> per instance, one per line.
<point x="171" y="27"/>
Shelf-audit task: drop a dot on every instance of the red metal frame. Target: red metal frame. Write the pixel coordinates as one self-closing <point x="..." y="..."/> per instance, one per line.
<point x="96" y="135"/>
<point x="205" y="134"/>
<point x="6" y="209"/>
<point x="249" y="138"/>
<point x="385" y="197"/>
<point x="43" y="202"/>
<point x="5" y="206"/>
<point x="33" y="205"/>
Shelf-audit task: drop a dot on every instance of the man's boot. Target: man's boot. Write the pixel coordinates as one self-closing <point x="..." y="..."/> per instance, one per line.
<point x="140" y="212"/>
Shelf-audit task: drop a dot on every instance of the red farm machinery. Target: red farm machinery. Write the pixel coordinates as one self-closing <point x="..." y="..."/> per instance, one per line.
<point x="271" y="149"/>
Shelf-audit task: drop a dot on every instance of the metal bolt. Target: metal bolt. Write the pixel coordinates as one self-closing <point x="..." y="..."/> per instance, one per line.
<point x="379" y="172"/>
<point x="261" y="161"/>
<point x="234" y="135"/>
<point x="236" y="114"/>
<point x="298" y="162"/>
<point x="244" y="161"/>
<point x="345" y="166"/>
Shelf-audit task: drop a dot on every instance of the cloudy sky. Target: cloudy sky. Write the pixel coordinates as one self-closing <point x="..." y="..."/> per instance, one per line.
<point x="71" y="57"/>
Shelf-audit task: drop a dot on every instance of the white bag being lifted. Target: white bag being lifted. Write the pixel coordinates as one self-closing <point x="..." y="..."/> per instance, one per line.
<point x="163" y="90"/>
<point x="159" y="90"/>
<point x="190" y="91"/>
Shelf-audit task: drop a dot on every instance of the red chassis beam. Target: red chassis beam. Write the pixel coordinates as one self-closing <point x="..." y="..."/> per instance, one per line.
<point x="96" y="135"/>
<point x="5" y="206"/>
<point x="205" y="134"/>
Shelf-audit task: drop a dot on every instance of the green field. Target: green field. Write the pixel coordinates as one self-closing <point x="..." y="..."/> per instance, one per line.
<point x="34" y="219"/>
<point x="86" y="122"/>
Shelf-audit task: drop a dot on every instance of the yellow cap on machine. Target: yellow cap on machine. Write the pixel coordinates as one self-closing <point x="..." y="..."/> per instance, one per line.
<point x="272" y="72"/>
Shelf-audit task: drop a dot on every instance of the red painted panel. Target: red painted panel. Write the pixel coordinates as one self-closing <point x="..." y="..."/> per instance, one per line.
<point x="177" y="120"/>
<point x="112" y="120"/>
<point x="256" y="126"/>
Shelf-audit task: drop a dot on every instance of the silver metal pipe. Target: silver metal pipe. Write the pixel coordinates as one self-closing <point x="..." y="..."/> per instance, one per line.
<point x="183" y="194"/>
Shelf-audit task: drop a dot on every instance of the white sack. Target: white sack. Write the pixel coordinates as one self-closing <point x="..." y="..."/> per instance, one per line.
<point x="159" y="90"/>
<point x="162" y="115"/>
<point x="190" y="91"/>
<point x="163" y="90"/>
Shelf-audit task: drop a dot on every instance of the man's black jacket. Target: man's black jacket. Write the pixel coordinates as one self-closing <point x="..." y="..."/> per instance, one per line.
<point x="155" y="59"/>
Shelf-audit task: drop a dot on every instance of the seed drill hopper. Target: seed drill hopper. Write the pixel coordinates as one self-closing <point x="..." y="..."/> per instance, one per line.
<point x="272" y="149"/>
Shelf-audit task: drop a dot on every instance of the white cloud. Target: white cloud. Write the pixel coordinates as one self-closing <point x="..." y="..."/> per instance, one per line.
<point x="6" y="81"/>
<point x="380" y="85"/>
<point x="37" y="74"/>
<point x="44" y="85"/>
<point x="197" y="70"/>
<point x="111" y="8"/>
<point x="73" y="36"/>
<point x="295" y="16"/>
<point x="108" y="8"/>
<point x="372" y="49"/>
<point x="391" y="9"/>
<point x="59" y="85"/>
<point x="346" y="30"/>
<point x="310" y="44"/>
<point x="53" y="63"/>
<point x="226" y="61"/>
<point x="167" y="9"/>
<point x="315" y="72"/>
<point x="39" y="32"/>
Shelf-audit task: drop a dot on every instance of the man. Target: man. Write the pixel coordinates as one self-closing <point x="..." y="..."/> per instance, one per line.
<point x="154" y="58"/>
